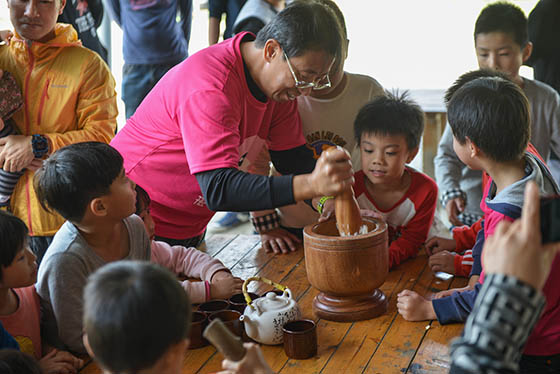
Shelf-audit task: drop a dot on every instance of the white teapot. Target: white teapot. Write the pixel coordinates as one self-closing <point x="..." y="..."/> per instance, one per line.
<point x="264" y="317"/>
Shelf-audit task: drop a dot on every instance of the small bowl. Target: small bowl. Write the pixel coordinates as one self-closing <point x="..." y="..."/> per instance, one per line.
<point x="230" y="318"/>
<point x="213" y="306"/>
<point x="198" y="324"/>
<point x="238" y="302"/>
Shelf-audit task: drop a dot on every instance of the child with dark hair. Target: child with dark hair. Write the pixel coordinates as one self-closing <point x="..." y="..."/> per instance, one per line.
<point x="16" y="362"/>
<point x="20" y="312"/>
<point x="388" y="131"/>
<point x="501" y="43"/>
<point x="490" y="120"/>
<point x="217" y="281"/>
<point x="136" y="319"/>
<point x="86" y="184"/>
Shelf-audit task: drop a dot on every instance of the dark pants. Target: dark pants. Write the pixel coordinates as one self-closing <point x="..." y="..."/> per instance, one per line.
<point x="539" y="364"/>
<point x="190" y="242"/>
<point x="138" y="81"/>
<point x="39" y="245"/>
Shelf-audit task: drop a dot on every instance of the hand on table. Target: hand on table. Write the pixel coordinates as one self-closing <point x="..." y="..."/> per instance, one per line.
<point x="515" y="248"/>
<point x="252" y="363"/>
<point x="437" y="244"/>
<point x="454" y="207"/>
<point x="414" y="307"/>
<point x="60" y="362"/>
<point x="442" y="261"/>
<point x="279" y="241"/>
<point x="223" y="285"/>
<point x="16" y="152"/>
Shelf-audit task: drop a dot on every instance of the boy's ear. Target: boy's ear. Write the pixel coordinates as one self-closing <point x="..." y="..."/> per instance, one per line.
<point x="475" y="151"/>
<point x="98" y="207"/>
<point x="411" y="154"/>
<point x="271" y="49"/>
<point x="527" y="51"/>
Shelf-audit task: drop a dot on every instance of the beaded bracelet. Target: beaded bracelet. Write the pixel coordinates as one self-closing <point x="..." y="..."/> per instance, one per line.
<point x="321" y="203"/>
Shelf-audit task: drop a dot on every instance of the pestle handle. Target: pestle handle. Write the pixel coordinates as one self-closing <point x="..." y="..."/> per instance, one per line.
<point x="347" y="211"/>
<point x="221" y="338"/>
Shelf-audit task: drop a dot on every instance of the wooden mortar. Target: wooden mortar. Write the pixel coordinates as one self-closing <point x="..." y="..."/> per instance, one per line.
<point x="347" y="270"/>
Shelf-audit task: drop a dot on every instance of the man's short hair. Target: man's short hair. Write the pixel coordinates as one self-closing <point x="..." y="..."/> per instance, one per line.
<point x="13" y="232"/>
<point x="503" y="17"/>
<point x="76" y="174"/>
<point x="304" y="26"/>
<point x="392" y="114"/>
<point x="134" y="312"/>
<point x="494" y="114"/>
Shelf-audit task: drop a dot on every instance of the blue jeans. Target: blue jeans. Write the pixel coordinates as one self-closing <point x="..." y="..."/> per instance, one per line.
<point x="137" y="81"/>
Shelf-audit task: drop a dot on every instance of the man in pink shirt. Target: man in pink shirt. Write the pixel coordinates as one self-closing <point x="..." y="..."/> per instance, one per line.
<point x="193" y="138"/>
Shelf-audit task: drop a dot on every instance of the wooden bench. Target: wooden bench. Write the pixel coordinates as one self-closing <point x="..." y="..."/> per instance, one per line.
<point x="387" y="344"/>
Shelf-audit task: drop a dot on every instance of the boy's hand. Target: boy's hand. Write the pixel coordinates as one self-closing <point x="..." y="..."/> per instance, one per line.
<point x="279" y="241"/>
<point x="442" y="261"/>
<point x="414" y="307"/>
<point x="252" y="363"/>
<point x="59" y="362"/>
<point x="454" y="207"/>
<point x="437" y="244"/>
<point x="515" y="248"/>
<point x="450" y="291"/>
<point x="223" y="285"/>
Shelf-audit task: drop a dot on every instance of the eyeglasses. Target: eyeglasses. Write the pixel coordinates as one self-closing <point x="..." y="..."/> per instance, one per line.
<point x="318" y="84"/>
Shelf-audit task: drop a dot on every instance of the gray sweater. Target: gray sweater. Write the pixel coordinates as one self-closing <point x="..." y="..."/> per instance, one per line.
<point x="452" y="175"/>
<point x="63" y="275"/>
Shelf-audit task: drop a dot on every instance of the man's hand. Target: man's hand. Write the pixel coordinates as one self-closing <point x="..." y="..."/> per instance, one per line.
<point x="332" y="175"/>
<point x="16" y="153"/>
<point x="442" y="261"/>
<point x="437" y="244"/>
<point x="454" y="207"/>
<point x="414" y="307"/>
<point x="515" y="248"/>
<point x="279" y="241"/>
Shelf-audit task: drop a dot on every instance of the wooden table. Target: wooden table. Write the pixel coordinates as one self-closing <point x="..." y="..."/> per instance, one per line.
<point x="387" y="344"/>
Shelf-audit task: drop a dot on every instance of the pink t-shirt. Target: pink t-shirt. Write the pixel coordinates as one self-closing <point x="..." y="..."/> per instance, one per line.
<point x="200" y="116"/>
<point x="24" y="323"/>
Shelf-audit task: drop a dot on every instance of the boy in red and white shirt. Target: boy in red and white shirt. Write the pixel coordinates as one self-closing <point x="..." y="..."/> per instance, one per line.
<point x="388" y="131"/>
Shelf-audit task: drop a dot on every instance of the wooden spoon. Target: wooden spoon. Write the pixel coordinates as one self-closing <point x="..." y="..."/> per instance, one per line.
<point x="347" y="211"/>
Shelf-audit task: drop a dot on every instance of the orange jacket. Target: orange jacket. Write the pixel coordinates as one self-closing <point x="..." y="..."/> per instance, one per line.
<point x="69" y="96"/>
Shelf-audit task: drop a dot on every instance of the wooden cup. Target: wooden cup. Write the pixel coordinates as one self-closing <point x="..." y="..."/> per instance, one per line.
<point x="213" y="306"/>
<point x="198" y="324"/>
<point x="300" y="339"/>
<point x="230" y="318"/>
<point x="238" y="302"/>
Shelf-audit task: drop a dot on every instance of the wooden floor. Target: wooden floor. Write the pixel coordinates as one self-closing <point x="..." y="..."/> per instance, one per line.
<point x="387" y="344"/>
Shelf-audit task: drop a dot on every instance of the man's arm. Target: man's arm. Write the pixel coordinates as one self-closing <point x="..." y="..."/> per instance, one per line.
<point x="185" y="9"/>
<point x="114" y="9"/>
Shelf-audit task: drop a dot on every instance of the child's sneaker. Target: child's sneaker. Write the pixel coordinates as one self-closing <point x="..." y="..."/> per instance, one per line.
<point x="231" y="219"/>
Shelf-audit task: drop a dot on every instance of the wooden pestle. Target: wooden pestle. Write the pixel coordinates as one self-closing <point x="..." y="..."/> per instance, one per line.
<point x="347" y="211"/>
<point x="228" y="344"/>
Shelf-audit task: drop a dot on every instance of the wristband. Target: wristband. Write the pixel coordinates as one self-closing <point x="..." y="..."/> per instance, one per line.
<point x="266" y="223"/>
<point x="40" y="145"/>
<point x="321" y="203"/>
<point x="207" y="287"/>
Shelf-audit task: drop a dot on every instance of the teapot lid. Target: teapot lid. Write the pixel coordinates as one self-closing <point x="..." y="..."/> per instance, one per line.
<point x="271" y="301"/>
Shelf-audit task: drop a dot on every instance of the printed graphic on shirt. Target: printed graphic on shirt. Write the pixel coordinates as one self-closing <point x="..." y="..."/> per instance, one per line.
<point x="199" y="201"/>
<point x="25" y="344"/>
<point x="84" y="20"/>
<point x="143" y="4"/>
<point x="318" y="141"/>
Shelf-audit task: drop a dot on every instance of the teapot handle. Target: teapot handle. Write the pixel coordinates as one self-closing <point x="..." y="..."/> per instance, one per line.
<point x="261" y="279"/>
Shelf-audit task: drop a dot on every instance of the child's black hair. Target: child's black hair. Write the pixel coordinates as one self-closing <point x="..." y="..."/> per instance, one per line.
<point x="470" y="76"/>
<point x="503" y="17"/>
<point x="17" y="362"/>
<point x="391" y="114"/>
<point x="133" y="313"/>
<point x="494" y="114"/>
<point x="142" y="200"/>
<point x="13" y="232"/>
<point x="76" y="174"/>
